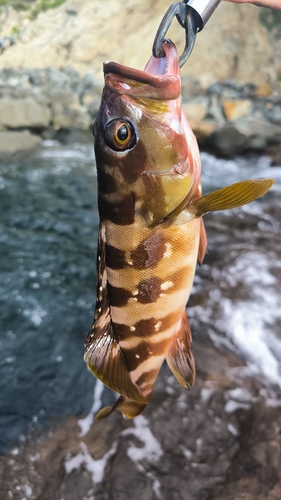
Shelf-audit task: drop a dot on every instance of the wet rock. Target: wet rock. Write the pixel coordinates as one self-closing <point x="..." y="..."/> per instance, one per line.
<point x="13" y="142"/>
<point x="252" y="125"/>
<point x="227" y="141"/>
<point x="234" y="110"/>
<point x="23" y="113"/>
<point x="263" y="90"/>
<point x="224" y="50"/>
<point x="187" y="445"/>
<point x="191" y="88"/>
<point x="202" y="129"/>
<point x="275" y="153"/>
<point x="274" y="114"/>
<point x="70" y="118"/>
<point x="61" y="99"/>
<point x="196" y="109"/>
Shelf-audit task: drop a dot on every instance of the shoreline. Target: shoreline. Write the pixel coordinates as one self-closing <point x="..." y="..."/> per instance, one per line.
<point x="227" y="118"/>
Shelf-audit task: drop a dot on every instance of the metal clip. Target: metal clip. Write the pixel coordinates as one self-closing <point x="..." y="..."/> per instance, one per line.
<point x="192" y="15"/>
<point x="180" y="10"/>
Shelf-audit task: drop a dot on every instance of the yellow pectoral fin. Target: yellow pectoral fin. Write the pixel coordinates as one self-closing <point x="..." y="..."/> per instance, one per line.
<point x="232" y="196"/>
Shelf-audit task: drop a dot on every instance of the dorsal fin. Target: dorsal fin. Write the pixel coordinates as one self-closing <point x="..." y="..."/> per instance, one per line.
<point x="179" y="356"/>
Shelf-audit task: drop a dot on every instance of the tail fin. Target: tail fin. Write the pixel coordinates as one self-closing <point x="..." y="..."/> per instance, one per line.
<point x="126" y="406"/>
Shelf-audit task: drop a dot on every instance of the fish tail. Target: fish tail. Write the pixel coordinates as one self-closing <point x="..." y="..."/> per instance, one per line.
<point x="126" y="406"/>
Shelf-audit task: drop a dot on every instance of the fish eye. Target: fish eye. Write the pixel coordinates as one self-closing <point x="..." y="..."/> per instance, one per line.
<point x="120" y="135"/>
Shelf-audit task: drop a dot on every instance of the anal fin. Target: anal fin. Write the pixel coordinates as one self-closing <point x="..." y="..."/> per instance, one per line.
<point x="179" y="356"/>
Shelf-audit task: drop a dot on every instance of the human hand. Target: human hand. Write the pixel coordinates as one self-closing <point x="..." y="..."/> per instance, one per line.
<point x="271" y="4"/>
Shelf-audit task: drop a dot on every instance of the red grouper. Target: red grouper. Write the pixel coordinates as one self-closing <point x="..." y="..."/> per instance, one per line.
<point x="151" y="231"/>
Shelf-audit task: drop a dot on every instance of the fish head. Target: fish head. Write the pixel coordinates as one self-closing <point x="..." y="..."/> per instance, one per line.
<point x="147" y="156"/>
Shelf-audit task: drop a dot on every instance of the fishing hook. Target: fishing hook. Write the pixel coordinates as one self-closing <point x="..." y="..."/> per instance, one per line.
<point x="192" y="15"/>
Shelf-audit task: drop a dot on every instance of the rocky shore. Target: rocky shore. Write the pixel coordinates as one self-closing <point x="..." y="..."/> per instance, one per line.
<point x="228" y="118"/>
<point x="221" y="441"/>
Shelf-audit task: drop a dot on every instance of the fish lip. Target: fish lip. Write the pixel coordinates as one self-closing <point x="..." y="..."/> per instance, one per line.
<point x="159" y="73"/>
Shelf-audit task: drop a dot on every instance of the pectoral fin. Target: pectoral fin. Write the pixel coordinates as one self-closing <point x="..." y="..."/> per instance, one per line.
<point x="179" y="356"/>
<point x="228" y="197"/>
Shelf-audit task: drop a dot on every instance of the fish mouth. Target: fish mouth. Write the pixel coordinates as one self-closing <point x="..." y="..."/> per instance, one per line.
<point x="160" y="78"/>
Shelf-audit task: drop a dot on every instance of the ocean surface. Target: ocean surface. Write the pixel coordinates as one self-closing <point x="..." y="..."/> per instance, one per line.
<point x="48" y="236"/>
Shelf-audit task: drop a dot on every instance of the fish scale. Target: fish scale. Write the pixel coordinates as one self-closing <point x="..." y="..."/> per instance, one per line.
<point x="151" y="231"/>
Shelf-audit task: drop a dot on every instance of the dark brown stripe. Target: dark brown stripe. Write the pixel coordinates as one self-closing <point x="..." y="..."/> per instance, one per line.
<point x="106" y="182"/>
<point x="149" y="252"/>
<point x="145" y="327"/>
<point x="149" y="290"/>
<point x="121" y="212"/>
<point x="115" y="258"/>
<point x="118" y="297"/>
<point x="133" y="164"/>
<point x="151" y="376"/>
<point x="137" y="355"/>
<point x="178" y="278"/>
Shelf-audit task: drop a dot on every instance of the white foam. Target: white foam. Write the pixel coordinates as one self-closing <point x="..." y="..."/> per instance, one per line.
<point x="273" y="402"/>
<point x="95" y="467"/>
<point x="206" y="394"/>
<point x="86" y="423"/>
<point x="156" y="487"/>
<point x="35" y="315"/>
<point x="240" y="394"/>
<point x="233" y="430"/>
<point x="232" y="406"/>
<point x="151" y="449"/>
<point x="246" y="324"/>
<point x="187" y="453"/>
<point x="250" y="323"/>
<point x="27" y="490"/>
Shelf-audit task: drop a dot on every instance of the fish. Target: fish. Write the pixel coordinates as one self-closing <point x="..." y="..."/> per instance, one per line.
<point x="151" y="231"/>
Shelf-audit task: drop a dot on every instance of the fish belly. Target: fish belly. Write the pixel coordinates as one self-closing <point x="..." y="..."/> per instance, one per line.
<point x="149" y="275"/>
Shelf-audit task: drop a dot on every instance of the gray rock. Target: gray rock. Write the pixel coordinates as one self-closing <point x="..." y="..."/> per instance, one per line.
<point x="274" y="114"/>
<point x="256" y="125"/>
<point x="196" y="108"/>
<point x="227" y="141"/>
<point x="13" y="142"/>
<point x="23" y="113"/>
<point x="257" y="143"/>
<point x="190" y="88"/>
<point x="186" y="446"/>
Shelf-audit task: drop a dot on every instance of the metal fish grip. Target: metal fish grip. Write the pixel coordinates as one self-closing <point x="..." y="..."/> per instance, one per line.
<point x="192" y="15"/>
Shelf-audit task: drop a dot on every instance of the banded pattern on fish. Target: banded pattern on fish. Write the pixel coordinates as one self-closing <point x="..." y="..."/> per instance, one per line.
<point x="151" y="231"/>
